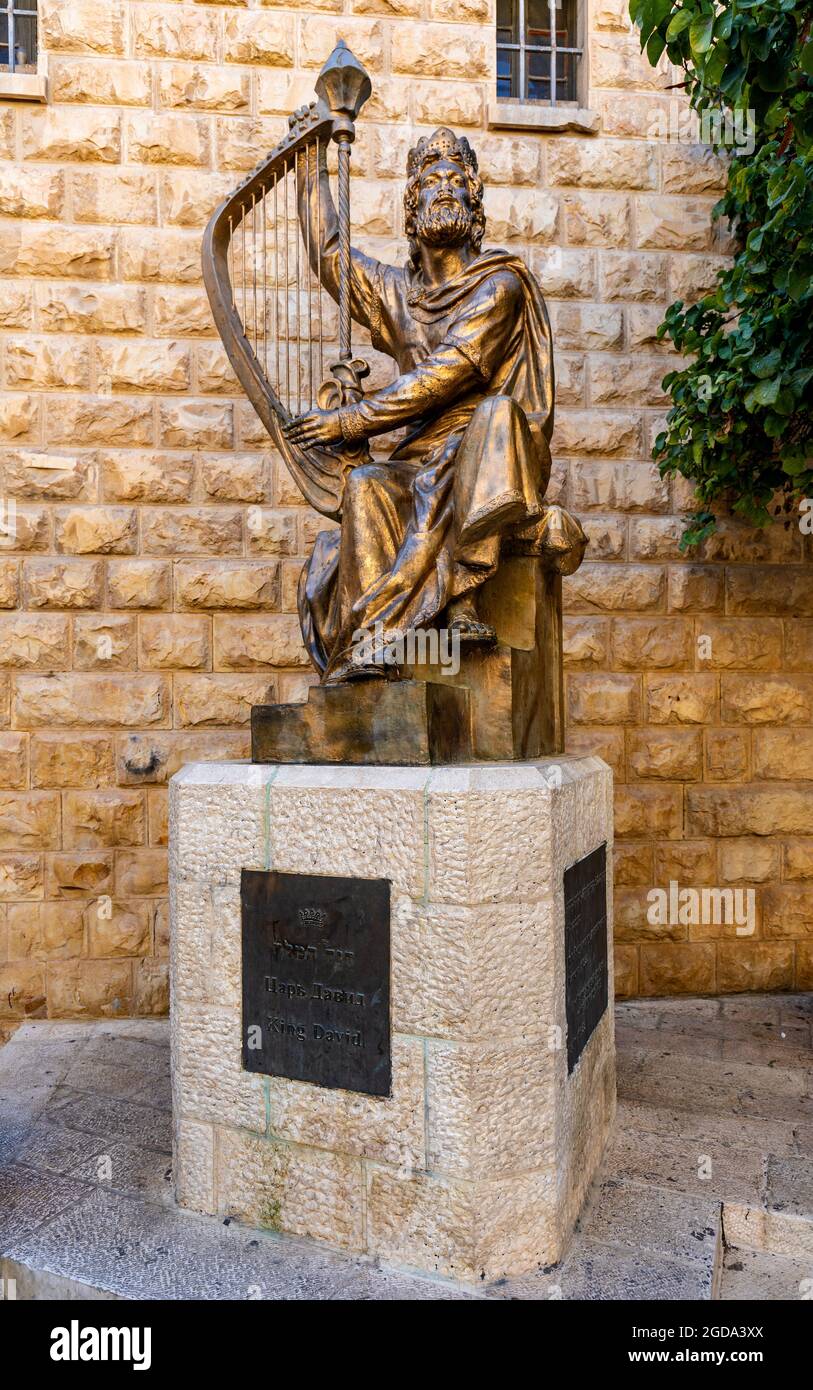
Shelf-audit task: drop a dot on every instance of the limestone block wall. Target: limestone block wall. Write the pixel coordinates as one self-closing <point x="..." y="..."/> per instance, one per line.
<point x="147" y="590"/>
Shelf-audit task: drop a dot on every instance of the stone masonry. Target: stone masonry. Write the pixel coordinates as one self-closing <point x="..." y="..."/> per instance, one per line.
<point x="477" y="1164"/>
<point x="147" y="595"/>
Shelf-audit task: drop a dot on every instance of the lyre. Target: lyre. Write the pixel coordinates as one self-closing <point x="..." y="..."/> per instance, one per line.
<point x="277" y="344"/>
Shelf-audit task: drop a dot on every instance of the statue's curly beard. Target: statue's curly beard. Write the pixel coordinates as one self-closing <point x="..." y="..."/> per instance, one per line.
<point x="445" y="223"/>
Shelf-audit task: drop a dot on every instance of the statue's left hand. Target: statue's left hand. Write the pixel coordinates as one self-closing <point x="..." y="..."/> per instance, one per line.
<point x="317" y="427"/>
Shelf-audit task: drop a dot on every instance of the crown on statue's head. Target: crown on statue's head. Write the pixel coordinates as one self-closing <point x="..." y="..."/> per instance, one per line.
<point x="444" y="144"/>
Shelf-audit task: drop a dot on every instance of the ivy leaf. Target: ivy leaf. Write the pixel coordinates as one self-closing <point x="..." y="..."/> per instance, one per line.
<point x="723" y="25"/>
<point x="678" y="23"/>
<point x="700" y="527"/>
<point x="765" y="366"/>
<point x="716" y="64"/>
<point x="654" y="48"/>
<point x="700" y="34"/>
<point x="763" y="394"/>
<point x="732" y="79"/>
<point x="772" y="73"/>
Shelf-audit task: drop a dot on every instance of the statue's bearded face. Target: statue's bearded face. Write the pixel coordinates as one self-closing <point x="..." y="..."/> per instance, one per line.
<point x="444" y="213"/>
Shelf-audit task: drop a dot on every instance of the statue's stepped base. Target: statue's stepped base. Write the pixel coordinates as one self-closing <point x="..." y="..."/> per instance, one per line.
<point x="405" y="723"/>
<point x="478" y="1163"/>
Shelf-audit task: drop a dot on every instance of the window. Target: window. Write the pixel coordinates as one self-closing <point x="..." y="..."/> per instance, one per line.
<point x="538" y="51"/>
<point x="18" y="36"/>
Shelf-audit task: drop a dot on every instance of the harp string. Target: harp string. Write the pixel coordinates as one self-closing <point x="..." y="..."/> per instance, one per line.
<point x="287" y="298"/>
<point x="243" y="265"/>
<point x="319" y="267"/>
<point x="231" y="260"/>
<point x="276" y="278"/>
<point x="260" y="272"/>
<point x="310" y="391"/>
<point x="254" y="263"/>
<point x="297" y="301"/>
<point x="265" y="285"/>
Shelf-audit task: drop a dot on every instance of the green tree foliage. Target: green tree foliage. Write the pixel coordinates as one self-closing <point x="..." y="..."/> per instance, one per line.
<point x="741" y="424"/>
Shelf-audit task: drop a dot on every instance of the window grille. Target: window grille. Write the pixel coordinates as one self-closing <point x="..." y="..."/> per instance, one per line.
<point x="18" y="35"/>
<point x="538" y="50"/>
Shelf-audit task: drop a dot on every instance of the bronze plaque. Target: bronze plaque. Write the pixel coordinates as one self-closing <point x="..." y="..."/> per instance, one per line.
<point x="316" y="979"/>
<point x="586" y="978"/>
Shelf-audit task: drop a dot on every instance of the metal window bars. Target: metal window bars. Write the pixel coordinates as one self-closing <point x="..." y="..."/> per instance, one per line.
<point x="18" y="36"/>
<point x="522" y="81"/>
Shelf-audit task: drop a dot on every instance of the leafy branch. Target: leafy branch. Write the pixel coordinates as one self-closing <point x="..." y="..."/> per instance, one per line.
<point x="741" y="422"/>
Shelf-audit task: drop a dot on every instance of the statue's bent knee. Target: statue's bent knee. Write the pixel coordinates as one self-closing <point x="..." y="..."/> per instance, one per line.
<point x="362" y="479"/>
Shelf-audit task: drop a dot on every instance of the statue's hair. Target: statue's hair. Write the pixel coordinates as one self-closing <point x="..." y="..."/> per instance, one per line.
<point x="442" y="145"/>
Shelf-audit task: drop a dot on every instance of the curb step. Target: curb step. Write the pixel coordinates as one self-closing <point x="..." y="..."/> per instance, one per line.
<point x="768" y="1231"/>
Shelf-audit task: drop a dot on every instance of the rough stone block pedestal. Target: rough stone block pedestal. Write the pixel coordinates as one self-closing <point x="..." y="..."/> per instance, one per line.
<point x="477" y="1164"/>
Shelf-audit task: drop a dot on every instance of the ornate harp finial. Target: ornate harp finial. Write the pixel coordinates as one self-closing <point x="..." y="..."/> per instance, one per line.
<point x="344" y="86"/>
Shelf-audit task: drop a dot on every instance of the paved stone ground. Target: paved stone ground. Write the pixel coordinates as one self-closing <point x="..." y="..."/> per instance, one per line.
<point x="706" y="1190"/>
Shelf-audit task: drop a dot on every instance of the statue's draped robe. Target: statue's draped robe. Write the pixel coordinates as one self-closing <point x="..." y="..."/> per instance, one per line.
<point x="476" y="392"/>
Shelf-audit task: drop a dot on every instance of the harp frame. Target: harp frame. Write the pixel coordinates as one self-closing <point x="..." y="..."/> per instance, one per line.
<point x="342" y="88"/>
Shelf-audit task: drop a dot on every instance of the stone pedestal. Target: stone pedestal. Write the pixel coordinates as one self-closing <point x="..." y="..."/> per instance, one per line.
<point x="477" y="1164"/>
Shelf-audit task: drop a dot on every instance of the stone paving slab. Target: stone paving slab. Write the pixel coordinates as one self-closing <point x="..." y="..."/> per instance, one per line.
<point x="698" y="1126"/>
<point x="30" y="1199"/>
<point x="790" y="1186"/>
<point x="780" y="1046"/>
<point x="734" y="1016"/>
<point x="110" y="1118"/>
<point x="630" y="1038"/>
<point x="689" y="1166"/>
<point x="138" y="1250"/>
<point x="650" y="1220"/>
<point x="690" y="1083"/>
<point x="693" y="1077"/>
<point x="754" y="1275"/>
<point x="119" y="1165"/>
<point x="603" y="1273"/>
<point x="112" y="1078"/>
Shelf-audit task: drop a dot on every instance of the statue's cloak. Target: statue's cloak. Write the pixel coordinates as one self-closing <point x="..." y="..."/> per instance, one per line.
<point x="476" y="392"/>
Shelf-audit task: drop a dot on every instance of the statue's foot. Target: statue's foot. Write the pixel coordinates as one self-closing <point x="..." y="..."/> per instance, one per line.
<point x="368" y="673"/>
<point x="472" y="630"/>
<point x="463" y="620"/>
<point x="358" y="671"/>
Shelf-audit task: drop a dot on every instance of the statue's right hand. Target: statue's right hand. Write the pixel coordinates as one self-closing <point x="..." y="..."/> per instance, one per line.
<point x="316" y="427"/>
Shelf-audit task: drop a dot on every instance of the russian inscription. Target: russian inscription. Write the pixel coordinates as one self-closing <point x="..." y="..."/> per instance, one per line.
<point x="586" y="975"/>
<point x="316" y="979"/>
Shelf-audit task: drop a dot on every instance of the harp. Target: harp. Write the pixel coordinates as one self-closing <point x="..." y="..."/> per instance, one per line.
<point x="273" y="316"/>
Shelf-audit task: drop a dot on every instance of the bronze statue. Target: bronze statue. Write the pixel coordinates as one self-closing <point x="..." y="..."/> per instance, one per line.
<point x="425" y="533"/>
